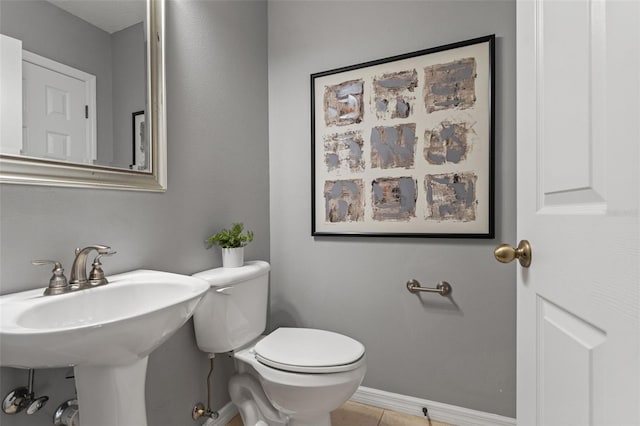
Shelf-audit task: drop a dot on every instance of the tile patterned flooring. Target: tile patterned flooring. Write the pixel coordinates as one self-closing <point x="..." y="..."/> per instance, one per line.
<point x="356" y="414"/>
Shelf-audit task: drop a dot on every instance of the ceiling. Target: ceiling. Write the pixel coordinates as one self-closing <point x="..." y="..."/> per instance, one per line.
<point x="109" y="15"/>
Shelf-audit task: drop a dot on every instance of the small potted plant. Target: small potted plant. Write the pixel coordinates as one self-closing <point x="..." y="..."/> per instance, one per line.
<point x="232" y="242"/>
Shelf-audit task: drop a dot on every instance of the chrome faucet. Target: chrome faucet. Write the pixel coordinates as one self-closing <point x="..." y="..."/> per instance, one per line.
<point x="78" y="277"/>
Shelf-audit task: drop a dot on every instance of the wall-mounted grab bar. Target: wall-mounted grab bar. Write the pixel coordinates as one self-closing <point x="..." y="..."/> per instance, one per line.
<point x="443" y="288"/>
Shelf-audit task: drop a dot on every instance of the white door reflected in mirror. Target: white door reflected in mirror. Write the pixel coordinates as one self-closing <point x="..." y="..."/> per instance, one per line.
<point x="59" y="117"/>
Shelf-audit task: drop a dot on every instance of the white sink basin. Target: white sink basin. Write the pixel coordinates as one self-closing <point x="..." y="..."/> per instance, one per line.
<point x="106" y="332"/>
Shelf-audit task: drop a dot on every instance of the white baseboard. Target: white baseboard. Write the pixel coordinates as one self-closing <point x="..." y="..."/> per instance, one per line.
<point x="225" y="414"/>
<point x="437" y="411"/>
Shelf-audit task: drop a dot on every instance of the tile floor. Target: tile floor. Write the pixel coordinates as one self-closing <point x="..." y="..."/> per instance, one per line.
<point x="356" y="414"/>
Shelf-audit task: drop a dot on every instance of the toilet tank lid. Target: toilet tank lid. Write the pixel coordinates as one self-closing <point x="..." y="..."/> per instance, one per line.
<point x="219" y="277"/>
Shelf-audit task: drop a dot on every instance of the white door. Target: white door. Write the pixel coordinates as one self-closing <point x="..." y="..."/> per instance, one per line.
<point x="56" y="121"/>
<point x="578" y="205"/>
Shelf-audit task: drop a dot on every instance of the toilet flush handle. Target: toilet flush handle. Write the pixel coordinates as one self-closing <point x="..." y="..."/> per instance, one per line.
<point x="224" y="290"/>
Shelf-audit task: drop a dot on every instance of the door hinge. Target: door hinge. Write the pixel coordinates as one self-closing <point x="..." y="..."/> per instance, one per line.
<point x="86" y="111"/>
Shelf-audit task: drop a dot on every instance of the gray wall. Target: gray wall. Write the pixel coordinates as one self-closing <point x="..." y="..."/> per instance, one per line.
<point x="217" y="172"/>
<point x="129" y="88"/>
<point x="459" y="351"/>
<point x="56" y="34"/>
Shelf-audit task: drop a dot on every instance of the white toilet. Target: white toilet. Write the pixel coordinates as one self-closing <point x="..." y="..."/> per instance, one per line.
<point x="293" y="376"/>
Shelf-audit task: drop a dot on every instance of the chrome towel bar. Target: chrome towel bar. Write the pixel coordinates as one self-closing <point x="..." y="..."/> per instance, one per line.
<point x="443" y="288"/>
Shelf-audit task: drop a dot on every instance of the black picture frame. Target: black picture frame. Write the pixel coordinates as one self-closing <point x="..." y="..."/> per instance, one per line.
<point x="405" y="146"/>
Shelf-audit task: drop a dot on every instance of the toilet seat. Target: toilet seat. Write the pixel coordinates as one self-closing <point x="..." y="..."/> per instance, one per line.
<point x="306" y="350"/>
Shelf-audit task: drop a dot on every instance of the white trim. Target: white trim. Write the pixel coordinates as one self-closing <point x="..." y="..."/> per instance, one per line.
<point x="58" y="67"/>
<point x="225" y="414"/>
<point x="438" y="411"/>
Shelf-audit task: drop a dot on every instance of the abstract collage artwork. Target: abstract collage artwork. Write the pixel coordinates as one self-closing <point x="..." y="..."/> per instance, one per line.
<point x="404" y="146"/>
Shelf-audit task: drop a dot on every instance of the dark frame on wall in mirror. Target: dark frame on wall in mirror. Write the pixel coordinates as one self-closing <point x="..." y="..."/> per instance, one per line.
<point x="404" y="146"/>
<point x="138" y="141"/>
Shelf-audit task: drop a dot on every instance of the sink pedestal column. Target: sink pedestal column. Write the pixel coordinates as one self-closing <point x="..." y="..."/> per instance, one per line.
<point x="112" y="395"/>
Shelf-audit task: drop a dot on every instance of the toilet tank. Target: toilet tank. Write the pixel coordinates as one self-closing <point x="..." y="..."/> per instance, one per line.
<point x="234" y="310"/>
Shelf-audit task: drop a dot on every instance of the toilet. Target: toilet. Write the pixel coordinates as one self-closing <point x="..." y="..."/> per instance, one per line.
<point x="292" y="376"/>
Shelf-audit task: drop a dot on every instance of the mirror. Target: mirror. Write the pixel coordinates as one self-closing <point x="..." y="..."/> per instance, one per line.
<point x="83" y="95"/>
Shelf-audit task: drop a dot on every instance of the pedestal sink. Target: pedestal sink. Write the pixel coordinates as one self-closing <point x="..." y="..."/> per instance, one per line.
<point x="106" y="333"/>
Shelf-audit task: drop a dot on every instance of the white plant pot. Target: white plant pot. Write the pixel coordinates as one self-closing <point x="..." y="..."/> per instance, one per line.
<point x="232" y="257"/>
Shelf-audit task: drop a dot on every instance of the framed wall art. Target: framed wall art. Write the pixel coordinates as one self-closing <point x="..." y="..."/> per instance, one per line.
<point x="404" y="146"/>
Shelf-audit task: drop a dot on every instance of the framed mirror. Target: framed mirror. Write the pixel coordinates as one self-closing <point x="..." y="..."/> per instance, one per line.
<point x="83" y="105"/>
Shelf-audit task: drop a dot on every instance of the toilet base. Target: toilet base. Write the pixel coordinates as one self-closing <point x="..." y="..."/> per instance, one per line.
<point x="256" y="410"/>
<point x="253" y="405"/>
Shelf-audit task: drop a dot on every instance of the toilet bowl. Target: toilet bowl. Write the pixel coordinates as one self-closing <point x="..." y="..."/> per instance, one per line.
<point x="292" y="376"/>
<point x="303" y="388"/>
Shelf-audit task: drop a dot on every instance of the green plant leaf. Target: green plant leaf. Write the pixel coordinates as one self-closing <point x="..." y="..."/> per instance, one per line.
<point x="231" y="238"/>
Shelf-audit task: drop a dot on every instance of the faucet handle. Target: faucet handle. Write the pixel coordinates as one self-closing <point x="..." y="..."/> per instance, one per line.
<point x="96" y="276"/>
<point x="58" y="282"/>
<point x="47" y="262"/>
<point x="101" y="255"/>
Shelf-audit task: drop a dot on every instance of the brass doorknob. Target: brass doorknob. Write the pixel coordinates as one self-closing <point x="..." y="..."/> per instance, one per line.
<point x="505" y="253"/>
